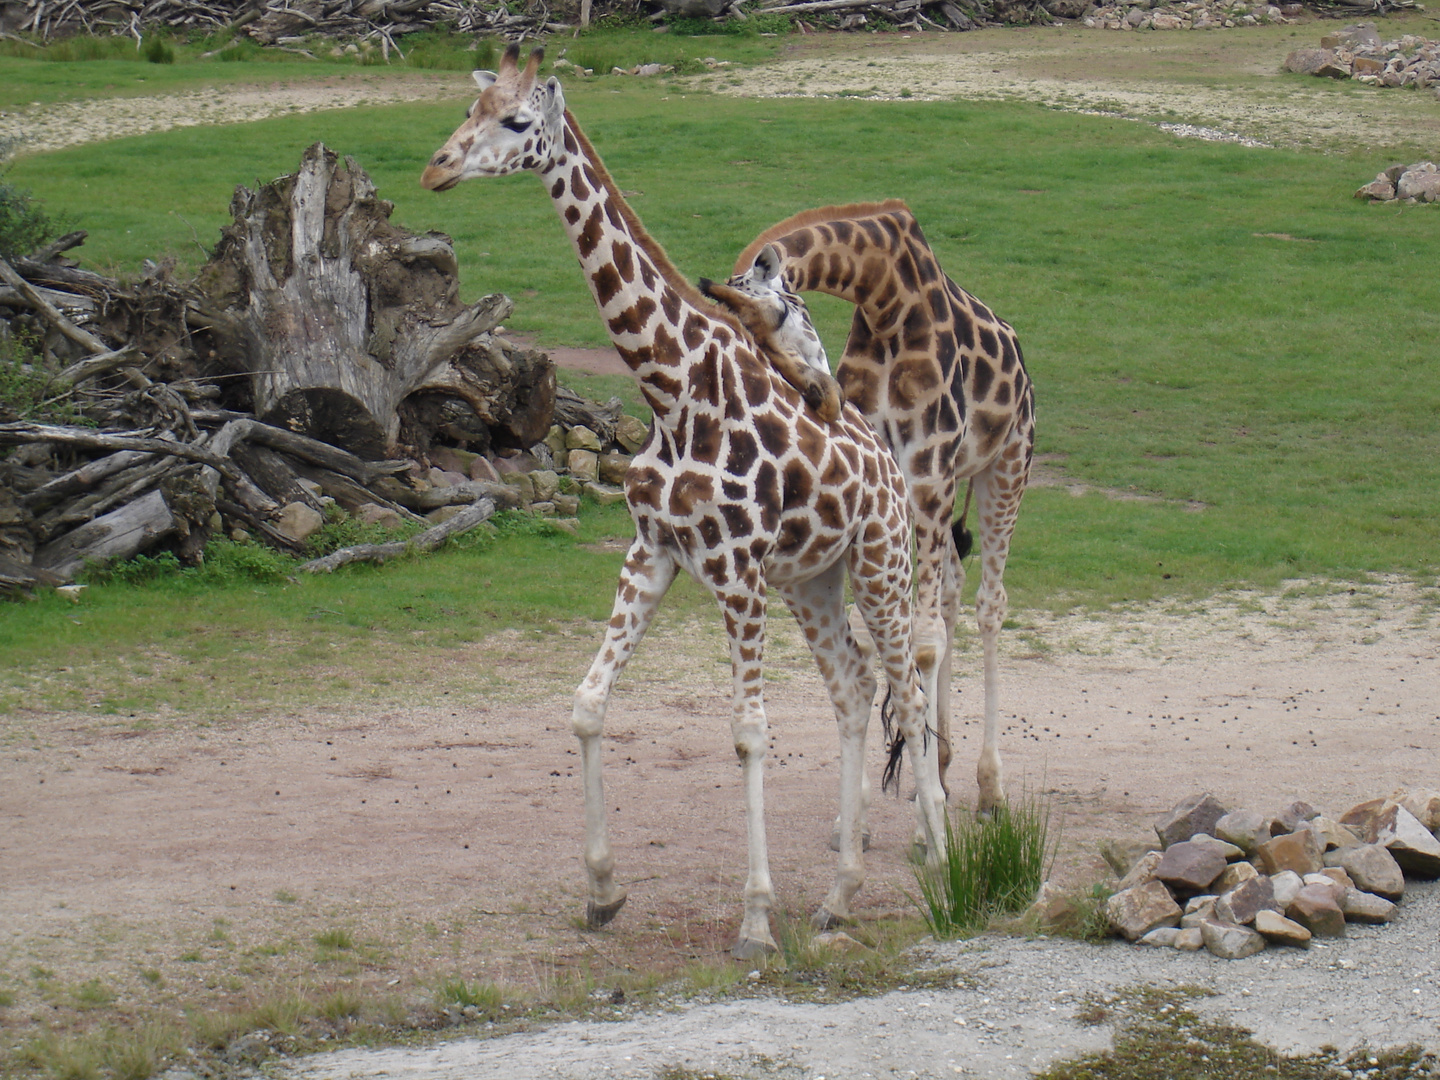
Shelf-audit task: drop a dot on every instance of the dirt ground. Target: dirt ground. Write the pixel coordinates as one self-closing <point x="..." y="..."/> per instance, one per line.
<point x="198" y="864"/>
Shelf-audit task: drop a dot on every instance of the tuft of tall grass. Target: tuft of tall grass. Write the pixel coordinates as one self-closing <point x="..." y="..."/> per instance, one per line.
<point x="992" y="867"/>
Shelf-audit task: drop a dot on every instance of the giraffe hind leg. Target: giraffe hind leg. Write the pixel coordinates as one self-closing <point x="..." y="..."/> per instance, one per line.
<point x="819" y="607"/>
<point x="998" y="491"/>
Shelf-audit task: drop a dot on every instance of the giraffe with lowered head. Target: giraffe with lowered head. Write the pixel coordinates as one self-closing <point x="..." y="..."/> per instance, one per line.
<point x="942" y="380"/>
<point x="737" y="485"/>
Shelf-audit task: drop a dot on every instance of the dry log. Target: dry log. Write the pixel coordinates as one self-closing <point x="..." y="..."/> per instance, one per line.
<point x="429" y="540"/>
<point x="25" y="431"/>
<point x="119" y="534"/>
<point x="273" y="474"/>
<point x="458" y="495"/>
<point x="82" y="479"/>
<point x="337" y="314"/>
<point x="572" y="410"/>
<point x="239" y="428"/>
<point x="49" y="311"/>
<point x="350" y="495"/>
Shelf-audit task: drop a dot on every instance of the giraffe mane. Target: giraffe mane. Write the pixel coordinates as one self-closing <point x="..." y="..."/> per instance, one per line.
<point x="818" y="216"/>
<point x="649" y="244"/>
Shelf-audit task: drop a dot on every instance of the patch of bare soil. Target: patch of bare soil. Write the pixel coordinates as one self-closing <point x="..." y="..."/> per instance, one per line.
<point x="74" y="123"/>
<point x="197" y="864"/>
<point x="1221" y="85"/>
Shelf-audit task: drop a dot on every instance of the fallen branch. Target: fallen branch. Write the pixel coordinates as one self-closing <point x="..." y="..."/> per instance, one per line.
<point x="20" y="432"/>
<point x="52" y="314"/>
<point x="426" y="541"/>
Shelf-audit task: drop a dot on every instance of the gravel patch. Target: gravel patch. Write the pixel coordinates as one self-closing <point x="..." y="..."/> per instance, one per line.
<point x="1013" y="1010"/>
<point x="74" y="123"/>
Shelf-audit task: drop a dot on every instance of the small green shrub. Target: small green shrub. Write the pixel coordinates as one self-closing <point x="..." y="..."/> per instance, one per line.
<point x="136" y="571"/>
<point x="23" y="225"/>
<point x="991" y="867"/>
<point x="485" y="996"/>
<point x="442" y="51"/>
<point x="228" y="562"/>
<point x="158" y="50"/>
<point x="337" y="938"/>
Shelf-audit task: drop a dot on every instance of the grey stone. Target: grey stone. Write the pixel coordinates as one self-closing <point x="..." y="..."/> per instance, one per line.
<point x="584" y="465"/>
<point x="582" y="438"/>
<point x="1424" y="186"/>
<point x="547" y="483"/>
<point x="555" y="440"/>
<point x="299" y="521"/>
<point x="605" y="496"/>
<point x="1235" y="874"/>
<point x="1424" y="804"/>
<point x="1310" y="61"/>
<point x="1241" y="904"/>
<point x="1161" y="937"/>
<point x="1190" y="866"/>
<point x="1372" y="868"/>
<point x="481" y="469"/>
<point x="613" y="466"/>
<point x="566" y="505"/>
<point x="1275" y="927"/>
<point x="1122" y="855"/>
<point x="522" y="483"/>
<point x="1364" y="907"/>
<point x="1297" y="851"/>
<point x="1285" y="885"/>
<point x="1315" y="908"/>
<point x="1142" y="872"/>
<point x="1289" y="818"/>
<point x="1135" y="912"/>
<point x="1320" y="881"/>
<point x="1190" y="939"/>
<point x="631" y="433"/>
<point x="1381" y="821"/>
<point x="1230" y="942"/>
<point x="1332" y="834"/>
<point x="1228" y="851"/>
<point x="1197" y="814"/>
<point x="375" y="514"/>
<point x="1246" y="829"/>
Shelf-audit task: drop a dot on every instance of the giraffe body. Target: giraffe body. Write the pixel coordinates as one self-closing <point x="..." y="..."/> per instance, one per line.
<point x="942" y="380"/>
<point x="736" y="486"/>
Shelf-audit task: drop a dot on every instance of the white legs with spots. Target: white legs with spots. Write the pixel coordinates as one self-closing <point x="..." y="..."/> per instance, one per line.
<point x="644" y="579"/>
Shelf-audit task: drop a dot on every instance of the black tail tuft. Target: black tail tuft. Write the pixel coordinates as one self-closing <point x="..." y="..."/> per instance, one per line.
<point x="964" y="538"/>
<point x="895" y="746"/>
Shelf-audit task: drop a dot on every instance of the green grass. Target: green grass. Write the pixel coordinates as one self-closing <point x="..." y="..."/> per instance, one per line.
<point x="1181" y="351"/>
<point x="992" y="867"/>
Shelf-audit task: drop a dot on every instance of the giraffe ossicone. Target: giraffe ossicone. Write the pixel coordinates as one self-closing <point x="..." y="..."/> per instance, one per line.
<point x="736" y="485"/>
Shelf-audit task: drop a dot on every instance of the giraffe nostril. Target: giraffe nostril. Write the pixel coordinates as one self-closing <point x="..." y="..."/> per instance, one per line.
<point x="440" y="158"/>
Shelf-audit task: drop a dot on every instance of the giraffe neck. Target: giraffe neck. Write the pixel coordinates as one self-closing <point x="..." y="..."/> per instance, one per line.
<point x="657" y="321"/>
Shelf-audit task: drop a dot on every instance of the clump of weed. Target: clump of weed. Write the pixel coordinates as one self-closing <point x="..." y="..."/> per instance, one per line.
<point x="158" y="50"/>
<point x="993" y="866"/>
<point x="336" y="938"/>
<point x="488" y="997"/>
<point x="1158" y="1034"/>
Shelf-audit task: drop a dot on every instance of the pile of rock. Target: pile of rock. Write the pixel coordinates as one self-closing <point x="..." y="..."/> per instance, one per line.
<point x="1408" y="183"/>
<point x="588" y="449"/>
<point x="1191" y="15"/>
<point x="1236" y="881"/>
<point x="1356" y="52"/>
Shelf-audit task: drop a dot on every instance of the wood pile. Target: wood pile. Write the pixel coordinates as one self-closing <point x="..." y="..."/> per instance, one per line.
<point x="281" y="23"/>
<point x="320" y="362"/>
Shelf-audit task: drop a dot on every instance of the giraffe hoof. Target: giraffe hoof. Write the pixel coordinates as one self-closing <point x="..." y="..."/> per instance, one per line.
<point x="597" y="915"/>
<point x="747" y="949"/>
<point x="825" y="919"/>
<point x="835" y="840"/>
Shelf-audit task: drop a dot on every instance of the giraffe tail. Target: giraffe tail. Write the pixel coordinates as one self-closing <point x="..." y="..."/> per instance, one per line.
<point x="895" y="745"/>
<point x="963" y="537"/>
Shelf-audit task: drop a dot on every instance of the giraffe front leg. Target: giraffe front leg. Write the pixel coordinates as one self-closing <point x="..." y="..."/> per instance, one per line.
<point x="643" y="581"/>
<point x="745" y="624"/>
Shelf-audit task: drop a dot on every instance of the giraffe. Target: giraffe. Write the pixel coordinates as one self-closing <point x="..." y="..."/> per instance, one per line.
<point x="942" y="380"/>
<point x="736" y="485"/>
<point x="780" y="323"/>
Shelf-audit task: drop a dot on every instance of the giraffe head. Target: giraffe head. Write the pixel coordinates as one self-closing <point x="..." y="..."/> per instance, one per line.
<point x="516" y="123"/>
<point x="780" y="323"/>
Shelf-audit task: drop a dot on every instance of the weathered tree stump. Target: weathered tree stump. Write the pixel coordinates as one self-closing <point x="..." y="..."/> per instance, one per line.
<point x="338" y="315"/>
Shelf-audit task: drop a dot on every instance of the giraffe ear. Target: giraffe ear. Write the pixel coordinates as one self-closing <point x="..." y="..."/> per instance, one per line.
<point x="768" y="262"/>
<point x="554" y="99"/>
<point x="483" y="79"/>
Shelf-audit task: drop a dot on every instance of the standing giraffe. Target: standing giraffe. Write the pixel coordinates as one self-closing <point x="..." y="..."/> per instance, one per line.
<point x="735" y="485"/>
<point x="942" y="380"/>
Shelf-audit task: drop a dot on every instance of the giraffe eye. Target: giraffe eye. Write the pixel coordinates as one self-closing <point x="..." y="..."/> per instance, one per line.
<point x="514" y="123"/>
